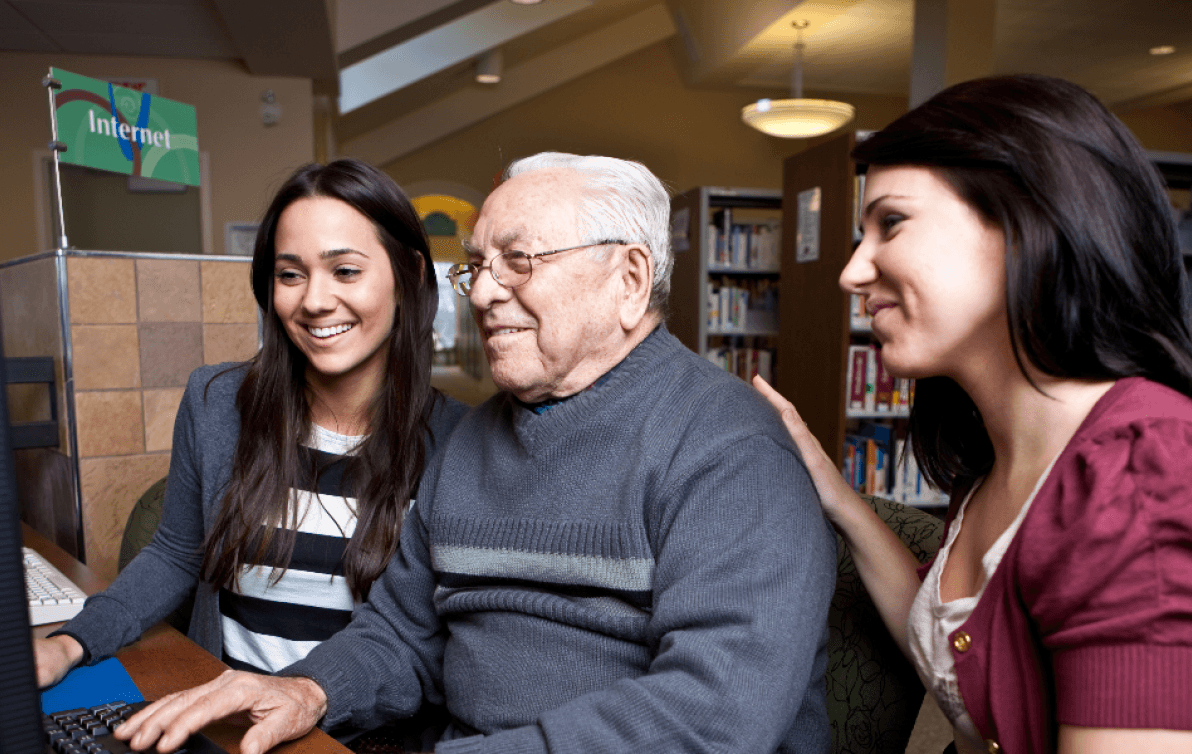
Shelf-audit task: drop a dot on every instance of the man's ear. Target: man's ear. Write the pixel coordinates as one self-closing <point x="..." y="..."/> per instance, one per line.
<point x="637" y="278"/>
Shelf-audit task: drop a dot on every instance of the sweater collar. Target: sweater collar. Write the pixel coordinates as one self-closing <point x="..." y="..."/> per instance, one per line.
<point x="530" y="419"/>
<point x="542" y="407"/>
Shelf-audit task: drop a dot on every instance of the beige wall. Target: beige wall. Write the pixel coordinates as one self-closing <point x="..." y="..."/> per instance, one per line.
<point x="1165" y="129"/>
<point x="638" y="108"/>
<point x="247" y="160"/>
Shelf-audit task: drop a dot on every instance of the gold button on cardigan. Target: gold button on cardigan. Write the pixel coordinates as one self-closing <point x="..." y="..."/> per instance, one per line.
<point x="962" y="641"/>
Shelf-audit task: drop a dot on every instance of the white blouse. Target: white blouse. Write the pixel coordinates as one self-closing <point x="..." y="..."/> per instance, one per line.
<point x="931" y="621"/>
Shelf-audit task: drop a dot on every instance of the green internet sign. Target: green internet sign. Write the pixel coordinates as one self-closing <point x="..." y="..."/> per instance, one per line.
<point x="112" y="128"/>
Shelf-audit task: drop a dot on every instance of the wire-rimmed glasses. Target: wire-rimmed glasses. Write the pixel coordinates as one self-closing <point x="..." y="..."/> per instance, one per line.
<point x="511" y="269"/>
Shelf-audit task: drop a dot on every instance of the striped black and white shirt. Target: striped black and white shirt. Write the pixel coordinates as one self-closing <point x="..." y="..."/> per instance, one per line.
<point x="268" y="626"/>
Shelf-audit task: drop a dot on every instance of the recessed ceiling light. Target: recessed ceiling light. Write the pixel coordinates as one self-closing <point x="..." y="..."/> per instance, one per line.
<point x="525" y="2"/>
<point x="1162" y="50"/>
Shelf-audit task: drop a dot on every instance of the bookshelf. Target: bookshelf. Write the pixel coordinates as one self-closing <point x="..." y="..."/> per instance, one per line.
<point x="823" y="327"/>
<point x="725" y="284"/>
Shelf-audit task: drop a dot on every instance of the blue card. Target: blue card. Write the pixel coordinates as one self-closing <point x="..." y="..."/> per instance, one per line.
<point x="88" y="686"/>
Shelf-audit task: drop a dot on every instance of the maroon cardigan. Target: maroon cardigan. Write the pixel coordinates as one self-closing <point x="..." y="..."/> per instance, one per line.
<point x="1087" y="620"/>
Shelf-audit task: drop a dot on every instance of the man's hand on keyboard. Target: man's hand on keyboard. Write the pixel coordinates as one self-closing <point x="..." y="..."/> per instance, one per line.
<point x="278" y="709"/>
<point x="55" y="657"/>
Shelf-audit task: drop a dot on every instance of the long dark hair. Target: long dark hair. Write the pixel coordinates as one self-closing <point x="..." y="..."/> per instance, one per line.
<point x="1095" y="284"/>
<point x="256" y="521"/>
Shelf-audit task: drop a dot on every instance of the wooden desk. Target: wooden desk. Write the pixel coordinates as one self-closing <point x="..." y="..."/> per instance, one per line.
<point x="164" y="661"/>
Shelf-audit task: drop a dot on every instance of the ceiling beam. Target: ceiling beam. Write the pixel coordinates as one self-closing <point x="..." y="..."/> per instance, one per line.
<point x="726" y="43"/>
<point x="520" y="83"/>
<point x="282" y="37"/>
<point x="720" y="31"/>
<point x="385" y="24"/>
<point x="454" y="42"/>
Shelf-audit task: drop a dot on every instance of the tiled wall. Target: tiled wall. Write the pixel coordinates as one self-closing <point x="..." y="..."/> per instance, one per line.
<point x="138" y="328"/>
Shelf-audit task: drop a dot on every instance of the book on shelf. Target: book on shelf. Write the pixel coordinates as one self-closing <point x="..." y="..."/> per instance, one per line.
<point x="742" y="306"/>
<point x="764" y="250"/>
<point x="858" y="368"/>
<point x="744" y="361"/>
<point x="883" y="387"/>
<point x="909" y="487"/>
<point x="858" y="319"/>
<point x="858" y="209"/>
<point x="738" y="245"/>
<point x="877" y="462"/>
<point x="867" y="454"/>
<point x="871" y="390"/>
<point x="745" y="246"/>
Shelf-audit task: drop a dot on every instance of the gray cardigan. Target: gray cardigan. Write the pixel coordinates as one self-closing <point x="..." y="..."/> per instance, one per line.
<point x="163" y="573"/>
<point x="642" y="568"/>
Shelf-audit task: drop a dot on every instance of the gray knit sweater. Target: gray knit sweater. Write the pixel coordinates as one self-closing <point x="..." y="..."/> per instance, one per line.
<point x="167" y="569"/>
<point x="642" y="568"/>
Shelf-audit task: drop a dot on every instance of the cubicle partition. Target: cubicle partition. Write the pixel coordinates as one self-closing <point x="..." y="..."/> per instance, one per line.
<point x="118" y="333"/>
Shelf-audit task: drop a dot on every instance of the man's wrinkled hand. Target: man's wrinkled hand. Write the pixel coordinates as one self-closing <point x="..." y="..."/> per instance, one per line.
<point x="55" y="657"/>
<point x="278" y="709"/>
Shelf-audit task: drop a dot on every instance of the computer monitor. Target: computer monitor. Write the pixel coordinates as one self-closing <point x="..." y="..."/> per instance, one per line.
<point x="20" y="732"/>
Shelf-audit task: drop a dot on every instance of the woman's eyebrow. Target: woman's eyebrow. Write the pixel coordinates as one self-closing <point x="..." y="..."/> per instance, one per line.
<point x="333" y="253"/>
<point x="869" y="207"/>
<point x="328" y="254"/>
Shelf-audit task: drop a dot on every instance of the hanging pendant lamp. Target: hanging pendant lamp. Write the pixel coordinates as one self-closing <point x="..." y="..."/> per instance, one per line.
<point x="797" y="118"/>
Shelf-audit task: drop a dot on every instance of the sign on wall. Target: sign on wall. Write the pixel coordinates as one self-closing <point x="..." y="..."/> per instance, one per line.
<point x="109" y="127"/>
<point x="807" y="243"/>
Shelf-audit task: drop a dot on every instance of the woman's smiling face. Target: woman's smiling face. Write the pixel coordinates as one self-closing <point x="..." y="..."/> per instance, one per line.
<point x="334" y="290"/>
<point x="932" y="272"/>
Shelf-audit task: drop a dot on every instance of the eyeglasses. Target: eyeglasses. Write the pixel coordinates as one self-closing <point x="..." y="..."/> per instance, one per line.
<point x="511" y="269"/>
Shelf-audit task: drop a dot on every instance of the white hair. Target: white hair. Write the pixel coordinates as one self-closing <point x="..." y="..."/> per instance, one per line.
<point x="624" y="202"/>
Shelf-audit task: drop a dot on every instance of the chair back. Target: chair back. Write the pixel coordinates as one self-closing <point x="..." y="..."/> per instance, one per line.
<point x="142" y="524"/>
<point x="874" y="693"/>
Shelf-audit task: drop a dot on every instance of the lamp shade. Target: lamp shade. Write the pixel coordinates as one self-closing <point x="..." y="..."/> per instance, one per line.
<point x="797" y="118"/>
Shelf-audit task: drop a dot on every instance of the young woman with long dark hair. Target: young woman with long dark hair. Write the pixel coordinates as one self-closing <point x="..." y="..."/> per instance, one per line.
<point x="290" y="473"/>
<point x="1020" y="262"/>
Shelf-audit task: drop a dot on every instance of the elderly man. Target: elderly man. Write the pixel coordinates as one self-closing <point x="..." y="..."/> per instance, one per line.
<point x="620" y="552"/>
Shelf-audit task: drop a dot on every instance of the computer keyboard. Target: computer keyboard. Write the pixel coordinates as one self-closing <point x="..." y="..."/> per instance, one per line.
<point x="52" y="597"/>
<point x="88" y="730"/>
